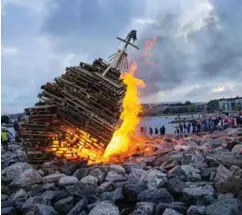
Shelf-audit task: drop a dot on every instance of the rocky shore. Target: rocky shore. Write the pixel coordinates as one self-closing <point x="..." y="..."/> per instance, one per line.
<point x="199" y="174"/>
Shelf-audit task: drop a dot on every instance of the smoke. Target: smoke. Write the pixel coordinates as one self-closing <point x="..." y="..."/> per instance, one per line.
<point x="196" y="40"/>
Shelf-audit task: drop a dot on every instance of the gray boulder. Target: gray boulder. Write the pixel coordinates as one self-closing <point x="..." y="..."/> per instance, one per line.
<point x="225" y="207"/>
<point x="222" y="173"/>
<point x="80" y="189"/>
<point x="63" y="206"/>
<point x="153" y="179"/>
<point x="67" y="180"/>
<point x="27" y="178"/>
<point x="117" y="168"/>
<point x="135" y="175"/>
<point x="169" y="211"/>
<point x="113" y="176"/>
<point x="177" y="206"/>
<point x="80" y="173"/>
<point x="191" y="173"/>
<point x="98" y="173"/>
<point x="8" y="211"/>
<point x="42" y="209"/>
<point x="91" y="180"/>
<point x="52" y="178"/>
<point x="19" y="194"/>
<point x="106" y="187"/>
<point x="156" y="196"/>
<point x="79" y="207"/>
<point x="48" y="186"/>
<point x="175" y="186"/>
<point x="14" y="171"/>
<point x="105" y="208"/>
<point x="4" y="197"/>
<point x="131" y="191"/>
<point x="27" y="205"/>
<point x="48" y="195"/>
<point x="237" y="149"/>
<point x="196" y="210"/>
<point x="196" y="193"/>
<point x="144" y="208"/>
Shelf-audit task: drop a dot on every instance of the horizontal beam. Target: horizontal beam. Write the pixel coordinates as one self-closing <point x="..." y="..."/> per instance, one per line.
<point x="127" y="42"/>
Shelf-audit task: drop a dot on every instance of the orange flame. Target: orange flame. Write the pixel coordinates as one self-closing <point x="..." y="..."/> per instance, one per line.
<point x="147" y="51"/>
<point x="121" y="141"/>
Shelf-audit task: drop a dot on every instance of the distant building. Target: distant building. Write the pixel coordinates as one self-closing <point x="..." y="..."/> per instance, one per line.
<point x="228" y="104"/>
<point x="171" y="108"/>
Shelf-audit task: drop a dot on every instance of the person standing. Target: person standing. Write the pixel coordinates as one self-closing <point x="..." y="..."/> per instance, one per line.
<point x="16" y="129"/>
<point x="188" y="127"/>
<point x="199" y="127"/>
<point x="4" y="139"/>
<point x="194" y="126"/>
<point x="151" y="131"/>
<point x="181" y="128"/>
<point x="156" y="131"/>
<point x="225" y="123"/>
<point x="163" y="128"/>
<point x="184" y="127"/>
<point x="177" y="130"/>
<point x="161" y="131"/>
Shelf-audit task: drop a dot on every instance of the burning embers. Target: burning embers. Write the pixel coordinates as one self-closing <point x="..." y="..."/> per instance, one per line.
<point x="147" y="54"/>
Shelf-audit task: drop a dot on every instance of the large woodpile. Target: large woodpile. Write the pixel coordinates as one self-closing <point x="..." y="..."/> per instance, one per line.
<point x="81" y="102"/>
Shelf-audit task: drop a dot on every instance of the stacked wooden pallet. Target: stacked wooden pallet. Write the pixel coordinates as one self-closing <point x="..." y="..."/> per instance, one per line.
<point x="39" y="130"/>
<point x="85" y="103"/>
<point x="86" y="99"/>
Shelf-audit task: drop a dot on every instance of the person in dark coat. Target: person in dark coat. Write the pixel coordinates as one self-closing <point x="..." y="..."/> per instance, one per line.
<point x="151" y="131"/>
<point x="181" y="128"/>
<point x="184" y="127"/>
<point x="188" y="127"/>
<point x="199" y="127"/>
<point x="163" y="128"/>
<point x="156" y="131"/>
<point x="193" y="126"/>
<point x="160" y="130"/>
<point x="177" y="130"/>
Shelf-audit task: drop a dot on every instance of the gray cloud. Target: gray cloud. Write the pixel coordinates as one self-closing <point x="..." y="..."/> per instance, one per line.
<point x="89" y="26"/>
<point x="40" y="38"/>
<point x="212" y="51"/>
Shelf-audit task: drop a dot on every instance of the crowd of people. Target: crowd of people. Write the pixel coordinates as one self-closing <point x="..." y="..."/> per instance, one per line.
<point x="145" y="131"/>
<point x="209" y="124"/>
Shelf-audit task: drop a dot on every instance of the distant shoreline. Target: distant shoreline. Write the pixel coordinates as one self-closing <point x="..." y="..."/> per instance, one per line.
<point x="177" y="114"/>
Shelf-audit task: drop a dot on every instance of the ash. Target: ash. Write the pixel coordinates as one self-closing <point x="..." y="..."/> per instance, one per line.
<point x="195" y="175"/>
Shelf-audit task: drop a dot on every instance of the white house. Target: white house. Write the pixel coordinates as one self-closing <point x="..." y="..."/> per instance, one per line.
<point x="228" y="104"/>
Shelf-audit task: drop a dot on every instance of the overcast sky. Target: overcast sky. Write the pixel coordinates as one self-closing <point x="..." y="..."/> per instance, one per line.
<point x="197" y="55"/>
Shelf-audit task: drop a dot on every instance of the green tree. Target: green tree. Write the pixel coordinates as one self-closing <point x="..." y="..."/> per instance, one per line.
<point x="236" y="107"/>
<point x="187" y="102"/>
<point x="5" y="119"/>
<point x="213" y="105"/>
<point x="192" y="108"/>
